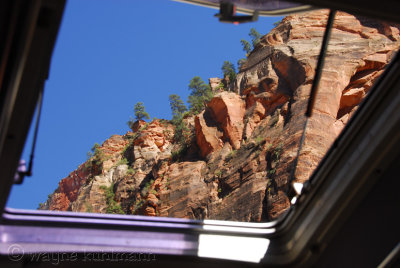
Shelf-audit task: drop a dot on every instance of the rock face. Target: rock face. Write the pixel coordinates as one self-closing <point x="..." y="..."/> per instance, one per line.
<point x="68" y="189"/>
<point x="215" y="84"/>
<point x="279" y="73"/>
<point x="244" y="142"/>
<point x="221" y="121"/>
<point x="228" y="110"/>
<point x="209" y="134"/>
<point x="186" y="189"/>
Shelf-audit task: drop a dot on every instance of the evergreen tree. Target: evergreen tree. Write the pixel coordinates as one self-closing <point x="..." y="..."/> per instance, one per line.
<point x="140" y="112"/>
<point x="228" y="69"/>
<point x="182" y="133"/>
<point x="246" y="46"/>
<point x="177" y="105"/>
<point x="255" y="37"/>
<point x="200" y="94"/>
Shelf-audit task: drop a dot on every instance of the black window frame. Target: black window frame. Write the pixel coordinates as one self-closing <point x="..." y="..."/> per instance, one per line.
<point x="337" y="186"/>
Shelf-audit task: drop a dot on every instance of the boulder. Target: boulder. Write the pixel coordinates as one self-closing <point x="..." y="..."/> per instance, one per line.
<point x="228" y="109"/>
<point x="208" y="134"/>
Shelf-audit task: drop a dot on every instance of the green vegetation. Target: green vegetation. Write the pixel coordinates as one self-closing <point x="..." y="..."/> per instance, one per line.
<point x="246" y="46"/>
<point x="123" y="161"/>
<point x="152" y="191"/>
<point x="177" y="105"/>
<point x="130" y="171"/>
<point x="177" y="155"/>
<point x="271" y="171"/>
<point x="269" y="189"/>
<point x="98" y="154"/>
<point x="146" y="187"/>
<point x="182" y="132"/>
<point x="113" y="207"/>
<point x="255" y="37"/>
<point x="278" y="152"/>
<point x="186" y="114"/>
<point x="167" y="184"/>
<point x="94" y="157"/>
<point x="259" y="139"/>
<point x="230" y="155"/>
<point x="178" y="109"/>
<point x="200" y="94"/>
<point x="275" y="157"/>
<point x="90" y="154"/>
<point x="140" y="114"/>
<point x="228" y="70"/>
<point x="218" y="173"/>
<point x="143" y="128"/>
<point x="220" y="86"/>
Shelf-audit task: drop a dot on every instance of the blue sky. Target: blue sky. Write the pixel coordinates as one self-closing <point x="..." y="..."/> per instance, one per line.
<point x="109" y="55"/>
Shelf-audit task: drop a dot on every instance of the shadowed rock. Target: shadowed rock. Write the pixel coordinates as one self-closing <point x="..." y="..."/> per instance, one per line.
<point x="248" y="138"/>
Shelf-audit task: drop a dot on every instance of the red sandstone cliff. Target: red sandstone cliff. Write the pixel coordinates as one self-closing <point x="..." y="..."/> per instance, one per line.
<point x="245" y="142"/>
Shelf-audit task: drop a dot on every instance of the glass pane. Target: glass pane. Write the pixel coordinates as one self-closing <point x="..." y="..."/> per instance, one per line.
<point x="227" y="153"/>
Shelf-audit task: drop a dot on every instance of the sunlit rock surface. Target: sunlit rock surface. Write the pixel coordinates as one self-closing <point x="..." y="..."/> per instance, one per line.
<point x="240" y="159"/>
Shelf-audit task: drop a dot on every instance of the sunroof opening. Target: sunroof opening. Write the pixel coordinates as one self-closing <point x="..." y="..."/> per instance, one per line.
<point x="155" y="108"/>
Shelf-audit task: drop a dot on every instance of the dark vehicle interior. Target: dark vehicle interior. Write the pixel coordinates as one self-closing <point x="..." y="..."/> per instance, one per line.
<point x="346" y="216"/>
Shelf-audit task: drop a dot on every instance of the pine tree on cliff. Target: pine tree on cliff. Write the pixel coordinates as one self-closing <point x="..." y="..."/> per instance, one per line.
<point x="140" y="112"/>
<point x="246" y="46"/>
<point x="177" y="105"/>
<point x="228" y="69"/>
<point x="255" y="37"/>
<point x="200" y="94"/>
<point x="182" y="133"/>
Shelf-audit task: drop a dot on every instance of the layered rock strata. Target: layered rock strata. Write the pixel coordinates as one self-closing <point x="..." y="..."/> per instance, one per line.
<point x="244" y="142"/>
